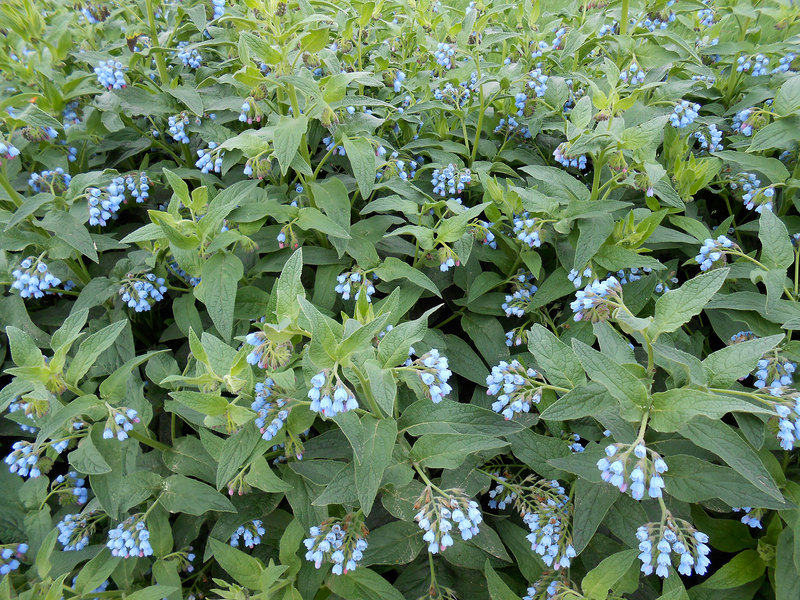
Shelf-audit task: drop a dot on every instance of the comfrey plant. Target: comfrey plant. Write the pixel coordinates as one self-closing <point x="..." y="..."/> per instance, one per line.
<point x="407" y="300"/>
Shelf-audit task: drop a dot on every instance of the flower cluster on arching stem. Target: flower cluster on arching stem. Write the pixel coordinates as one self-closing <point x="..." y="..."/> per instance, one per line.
<point x="633" y="467"/>
<point x="434" y="372"/>
<point x="329" y="395"/>
<point x="517" y="388"/>
<point x="270" y="407"/>
<point x="660" y="544"/>
<point x="440" y="512"/>
<point x="339" y="542"/>
<point x="248" y="535"/>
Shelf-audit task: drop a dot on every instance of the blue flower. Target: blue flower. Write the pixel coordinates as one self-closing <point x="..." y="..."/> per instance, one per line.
<point x="684" y="114"/>
<point x="130" y="539"/>
<point x="111" y="74"/>
<point x="528" y="229"/>
<point x="440" y="514"/>
<point x="596" y="300"/>
<point x="617" y="469"/>
<point x="249" y="533"/>
<point x="399" y="77"/>
<point x="355" y="281"/>
<point x="750" y="518"/>
<point x="73" y="485"/>
<point x="10" y="557"/>
<point x="328" y="399"/>
<point x="710" y="141"/>
<point x="659" y="541"/>
<point x="119" y="423"/>
<point x="335" y="542"/>
<point x="74" y="531"/>
<point x="563" y="157"/>
<point x="32" y="278"/>
<point x="271" y="411"/>
<point x="712" y="251"/>
<point x="743" y="121"/>
<point x="219" y="8"/>
<point x="140" y="293"/>
<point x="55" y="182"/>
<point x="210" y="159"/>
<point x="444" y="55"/>
<point x="434" y="372"/>
<point x="8" y="150"/>
<point x="519" y="386"/>
<point x="190" y="58"/>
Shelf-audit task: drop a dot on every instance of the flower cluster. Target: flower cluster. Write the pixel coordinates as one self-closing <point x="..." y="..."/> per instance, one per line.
<point x="750" y="518"/>
<point x="32" y="279"/>
<point x="24" y="459"/>
<point x="548" y="521"/>
<point x="595" y="301"/>
<point x="249" y="534"/>
<point x="482" y="231"/>
<point x="774" y="372"/>
<point x="119" y="423"/>
<point x="105" y="203"/>
<point x="742" y="336"/>
<point x="434" y="371"/>
<point x="139" y="187"/>
<point x="528" y="229"/>
<point x="56" y="181"/>
<point x="328" y="399"/>
<point x="576" y="277"/>
<point x="563" y="157"/>
<point x="209" y="160"/>
<point x="517" y="302"/>
<point x="444" y="55"/>
<point x="130" y="538"/>
<point x="10" y="557"/>
<point x="73" y="487"/>
<point x="518" y="385"/>
<point x="339" y="542"/>
<point x="450" y="180"/>
<point x="455" y="96"/>
<point x="633" y="75"/>
<point x="345" y="282"/>
<point x="270" y="409"/>
<point x="439" y="510"/>
<point x="190" y="58"/>
<point x="512" y="128"/>
<point x="397" y="166"/>
<point x="399" y="78"/>
<point x="74" y="530"/>
<point x="8" y="150"/>
<point x="111" y="74"/>
<point x="711" y="251"/>
<point x="501" y="496"/>
<point x="710" y="140"/>
<point x="617" y="469"/>
<point x="219" y="8"/>
<point x="266" y="353"/>
<point x="684" y="114"/>
<point x="28" y="410"/>
<point x="788" y="412"/>
<point x="141" y="293"/>
<point x="176" y="125"/>
<point x="657" y="542"/>
<point x="743" y="121"/>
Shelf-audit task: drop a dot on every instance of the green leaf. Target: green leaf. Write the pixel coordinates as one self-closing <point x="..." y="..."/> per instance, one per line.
<point x="217" y="289"/>
<point x="382" y="384"/>
<point x="333" y="199"/>
<point x="179" y="187"/>
<point x="593" y="233"/>
<point x="558" y="362"/>
<point x="245" y="569"/>
<point x="24" y="351"/>
<point x="733" y="362"/>
<point x="776" y="247"/>
<point x="774" y="169"/>
<point x="787" y="100"/>
<point x="450" y="417"/>
<point x="535" y="450"/>
<point x="592" y="502"/>
<point x="68" y="228"/>
<point x="262" y="477"/>
<point x="498" y="590"/>
<point x="235" y="450"/>
<point x="289" y="287"/>
<point x="361" y="154"/>
<point x="448" y="451"/>
<point x="322" y="350"/>
<point x="583" y="401"/>
<point x="787" y="579"/>
<point x="114" y="386"/>
<point x="43" y="556"/>
<point x="677" y="307"/>
<point x="378" y="441"/>
<point x="619" y="382"/>
<point x="743" y="568"/>
<point x="183" y="495"/>
<point x="91" y="348"/>
<point x="781" y="133"/>
<point x="394" y="268"/>
<point x="208" y="404"/>
<point x="96" y="571"/>
<point x="363" y="584"/>
<point x="597" y="582"/>
<point x="153" y="592"/>
<point x="393" y="347"/>
<point x="288" y="134"/>
<point x="674" y="408"/>
<point x="86" y="458"/>
<point x="723" y="441"/>
<point x="396" y="543"/>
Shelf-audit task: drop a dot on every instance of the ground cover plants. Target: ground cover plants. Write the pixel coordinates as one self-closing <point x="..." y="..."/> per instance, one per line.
<point x="308" y="300"/>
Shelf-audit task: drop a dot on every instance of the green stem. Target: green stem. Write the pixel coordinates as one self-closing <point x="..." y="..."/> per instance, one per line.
<point x="373" y="404"/>
<point x="6" y="184"/>
<point x="160" y="64"/>
<point x="623" y="20"/>
<point x="148" y="441"/>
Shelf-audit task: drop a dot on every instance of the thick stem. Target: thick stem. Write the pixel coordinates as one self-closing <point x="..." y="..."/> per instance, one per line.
<point x="623" y="20"/>
<point x="147" y="441"/>
<point x="160" y="64"/>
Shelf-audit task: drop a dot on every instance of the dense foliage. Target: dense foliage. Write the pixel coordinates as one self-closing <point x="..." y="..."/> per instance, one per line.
<point x="309" y="300"/>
